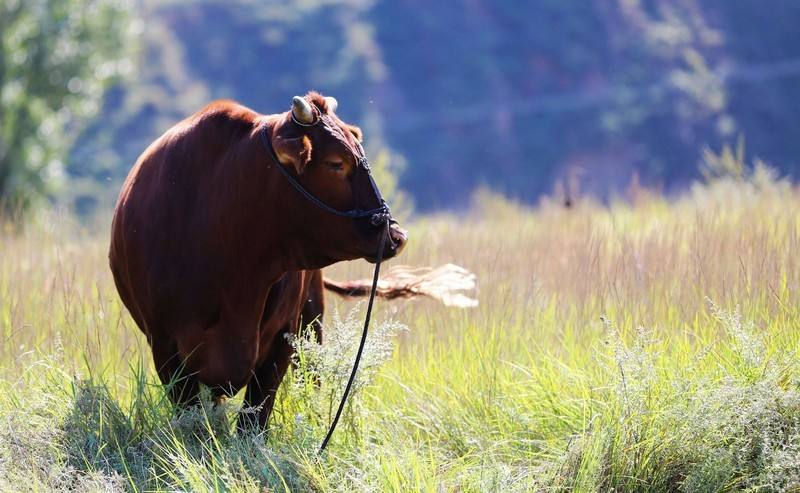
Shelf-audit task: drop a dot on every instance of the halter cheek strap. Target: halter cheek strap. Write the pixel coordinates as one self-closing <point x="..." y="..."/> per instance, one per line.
<point x="377" y="216"/>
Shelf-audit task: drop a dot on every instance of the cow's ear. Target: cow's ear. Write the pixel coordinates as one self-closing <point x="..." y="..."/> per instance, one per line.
<point x="356" y="132"/>
<point x="295" y="151"/>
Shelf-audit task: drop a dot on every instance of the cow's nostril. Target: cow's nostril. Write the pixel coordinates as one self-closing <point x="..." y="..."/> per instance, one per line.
<point x="398" y="238"/>
<point x="398" y="235"/>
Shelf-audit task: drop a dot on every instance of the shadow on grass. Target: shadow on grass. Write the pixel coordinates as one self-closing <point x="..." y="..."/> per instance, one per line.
<point x="111" y="433"/>
<point x="149" y="445"/>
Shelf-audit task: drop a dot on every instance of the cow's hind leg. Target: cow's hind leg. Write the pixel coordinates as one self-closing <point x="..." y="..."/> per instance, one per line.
<point x="182" y="387"/>
<point x="263" y="387"/>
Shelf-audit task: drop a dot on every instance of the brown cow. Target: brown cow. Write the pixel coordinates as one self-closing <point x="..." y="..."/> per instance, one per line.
<point x="217" y="256"/>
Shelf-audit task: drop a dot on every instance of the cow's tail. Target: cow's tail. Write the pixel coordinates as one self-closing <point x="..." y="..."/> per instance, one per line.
<point x="451" y="284"/>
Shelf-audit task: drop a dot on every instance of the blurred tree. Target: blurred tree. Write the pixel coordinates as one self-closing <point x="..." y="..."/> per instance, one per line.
<point x="56" y="59"/>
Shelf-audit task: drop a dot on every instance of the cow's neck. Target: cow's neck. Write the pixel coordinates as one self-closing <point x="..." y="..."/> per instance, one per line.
<point x="279" y="246"/>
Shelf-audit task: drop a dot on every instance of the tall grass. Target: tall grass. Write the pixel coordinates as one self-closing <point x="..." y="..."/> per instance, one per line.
<point x="646" y="345"/>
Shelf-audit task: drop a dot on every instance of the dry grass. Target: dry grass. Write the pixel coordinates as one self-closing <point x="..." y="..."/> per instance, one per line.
<point x="647" y="347"/>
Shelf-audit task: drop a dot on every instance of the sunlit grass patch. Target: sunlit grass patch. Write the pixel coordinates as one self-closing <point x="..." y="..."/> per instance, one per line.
<point x="646" y="347"/>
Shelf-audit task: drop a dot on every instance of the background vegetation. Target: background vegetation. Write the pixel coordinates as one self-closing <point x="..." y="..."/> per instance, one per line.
<point x="56" y="58"/>
<point x="518" y="96"/>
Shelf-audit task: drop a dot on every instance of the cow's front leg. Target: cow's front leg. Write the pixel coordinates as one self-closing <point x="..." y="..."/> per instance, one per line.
<point x="181" y="384"/>
<point x="222" y="356"/>
<point x="263" y="387"/>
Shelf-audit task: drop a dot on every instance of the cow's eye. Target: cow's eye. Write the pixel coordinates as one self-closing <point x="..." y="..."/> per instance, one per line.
<point x="334" y="165"/>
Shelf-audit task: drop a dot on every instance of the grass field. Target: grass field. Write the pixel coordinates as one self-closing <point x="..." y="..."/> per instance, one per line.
<point x="647" y="345"/>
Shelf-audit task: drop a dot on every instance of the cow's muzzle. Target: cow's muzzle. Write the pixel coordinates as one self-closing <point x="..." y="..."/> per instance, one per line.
<point x="396" y="241"/>
<point x="397" y="238"/>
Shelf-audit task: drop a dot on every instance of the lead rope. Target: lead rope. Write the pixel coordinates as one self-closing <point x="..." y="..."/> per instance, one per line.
<point x="372" y="292"/>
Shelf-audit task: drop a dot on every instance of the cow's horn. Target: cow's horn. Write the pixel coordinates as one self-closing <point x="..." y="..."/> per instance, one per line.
<point x="301" y="109"/>
<point x="331" y="103"/>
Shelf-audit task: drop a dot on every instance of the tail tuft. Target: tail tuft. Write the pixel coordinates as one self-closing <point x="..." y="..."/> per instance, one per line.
<point x="447" y="283"/>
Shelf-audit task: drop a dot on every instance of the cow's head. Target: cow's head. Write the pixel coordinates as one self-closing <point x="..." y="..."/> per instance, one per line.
<point x="323" y="154"/>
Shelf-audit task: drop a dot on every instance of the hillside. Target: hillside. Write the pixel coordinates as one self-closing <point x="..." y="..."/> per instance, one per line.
<point x="519" y="96"/>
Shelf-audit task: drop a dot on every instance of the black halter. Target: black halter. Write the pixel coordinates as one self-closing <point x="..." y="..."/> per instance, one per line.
<point x="377" y="216"/>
